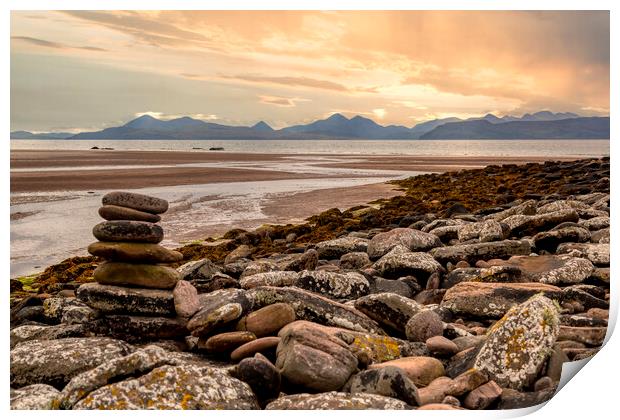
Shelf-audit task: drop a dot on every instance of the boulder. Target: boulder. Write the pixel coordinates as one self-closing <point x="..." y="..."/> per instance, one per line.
<point x="55" y="362"/>
<point x="388" y="381"/>
<point x="481" y="251"/>
<point x="421" y="370"/>
<point x="414" y="240"/>
<point x="527" y="208"/>
<point x="349" y="285"/>
<point x="485" y="231"/>
<point x="186" y="302"/>
<point x="127" y="300"/>
<point x="261" y="375"/>
<point x="110" y="212"/>
<point x="271" y="278"/>
<point x="490" y="300"/>
<point x="242" y="251"/>
<point x="388" y="309"/>
<point x="136" y="275"/>
<point x="135" y="201"/>
<point x="310" y="357"/>
<point x="45" y="332"/>
<point x="598" y="254"/>
<point x="313" y="307"/>
<point x="33" y="397"/>
<point x="522" y="225"/>
<point x="336" y="401"/>
<point x="550" y="240"/>
<point x="552" y="269"/>
<point x="354" y="261"/>
<point x="336" y="248"/>
<point x="424" y="325"/>
<point x="198" y="270"/>
<point x="139" y="328"/>
<point x="134" y="252"/>
<point x="128" y="231"/>
<point x="174" y="388"/>
<point x="396" y="264"/>
<point x="518" y="345"/>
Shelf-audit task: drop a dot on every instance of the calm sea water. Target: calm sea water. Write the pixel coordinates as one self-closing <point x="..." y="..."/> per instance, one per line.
<point x="556" y="148"/>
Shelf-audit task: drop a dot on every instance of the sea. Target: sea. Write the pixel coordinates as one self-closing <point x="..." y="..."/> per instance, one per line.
<point x="555" y="148"/>
<point x="60" y="222"/>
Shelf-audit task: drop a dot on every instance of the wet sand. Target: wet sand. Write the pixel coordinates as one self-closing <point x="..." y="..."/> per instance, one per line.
<point x="39" y="171"/>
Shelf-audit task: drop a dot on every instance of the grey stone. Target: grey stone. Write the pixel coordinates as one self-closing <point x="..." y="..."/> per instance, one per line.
<point x="134" y="252"/>
<point x="349" y="285"/>
<point x="134" y="328"/>
<point x="395" y="264"/>
<point x="136" y="275"/>
<point x="336" y="248"/>
<point x="208" y="319"/>
<point x="127" y="300"/>
<point x="388" y="381"/>
<point x="354" y="261"/>
<point x="336" y="401"/>
<point x="33" y="397"/>
<point x="481" y="251"/>
<point x="110" y="212"/>
<point x="128" y="231"/>
<point x="424" y="325"/>
<point x="388" y="309"/>
<point x="271" y="278"/>
<point x="598" y="254"/>
<point x="55" y="362"/>
<point x="414" y="240"/>
<point x="135" y="201"/>
<point x="519" y="344"/>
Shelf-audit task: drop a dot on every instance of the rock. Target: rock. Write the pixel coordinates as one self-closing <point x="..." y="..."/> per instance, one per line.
<point x="518" y="345"/>
<point x="552" y="269"/>
<point x="598" y="254"/>
<point x="268" y="320"/>
<point x="139" y="328"/>
<point x="511" y="399"/>
<point x="600" y="236"/>
<point x="110" y="212"/>
<point x="79" y="315"/>
<point x="550" y="240"/>
<point x="135" y="201"/>
<point x="174" y="387"/>
<point x="333" y="285"/>
<point x="139" y="362"/>
<point x="494" y="274"/>
<point x="336" y="401"/>
<point x="483" y="396"/>
<point x="468" y="341"/>
<point x="423" y="325"/>
<point x="242" y="251"/>
<point x="139" y="275"/>
<point x="555" y="362"/>
<point x="313" y="307"/>
<point x="261" y="375"/>
<point x="44" y="332"/>
<point x="55" y="362"/>
<point x="198" y="270"/>
<point x="226" y="342"/>
<point x="544" y="383"/>
<point x="414" y="240"/>
<point x="134" y="252"/>
<point x="521" y="224"/>
<point x="388" y="309"/>
<point x="491" y="300"/>
<point x="128" y="231"/>
<point x="406" y="286"/>
<point x="336" y="248"/>
<point x="186" y="302"/>
<point x="592" y="336"/>
<point x="481" y="251"/>
<point x="354" y="261"/>
<point x="309" y="356"/>
<point x="420" y="369"/>
<point x="271" y="278"/>
<point x="260" y="345"/>
<point x="439" y="407"/>
<point x="596" y="223"/>
<point x="526" y="208"/>
<point x="297" y="262"/>
<point x="441" y="346"/>
<point x="127" y="300"/>
<point x="486" y="231"/>
<point x="217" y="298"/>
<point x="389" y="381"/>
<point x="396" y="264"/>
<point x="208" y="319"/>
<point x="33" y="397"/>
<point x="56" y="307"/>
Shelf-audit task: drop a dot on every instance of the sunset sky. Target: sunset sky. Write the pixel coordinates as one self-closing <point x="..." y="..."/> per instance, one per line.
<point x="87" y="70"/>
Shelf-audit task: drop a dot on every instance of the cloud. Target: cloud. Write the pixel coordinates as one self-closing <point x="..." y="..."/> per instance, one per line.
<point x="164" y="116"/>
<point x="289" y="81"/>
<point x="49" y="44"/>
<point x="280" y="101"/>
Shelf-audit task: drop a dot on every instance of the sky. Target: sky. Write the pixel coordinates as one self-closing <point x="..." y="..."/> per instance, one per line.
<point x="87" y="70"/>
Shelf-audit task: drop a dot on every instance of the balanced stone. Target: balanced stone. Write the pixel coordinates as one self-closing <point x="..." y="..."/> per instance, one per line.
<point x="128" y="231"/>
<point x="132" y="300"/>
<point x="135" y="201"/>
<point x="134" y="252"/>
<point x="125" y="213"/>
<point x="141" y="275"/>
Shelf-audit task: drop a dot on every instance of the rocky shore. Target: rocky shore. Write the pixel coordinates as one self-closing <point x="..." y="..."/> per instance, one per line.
<point x="467" y="292"/>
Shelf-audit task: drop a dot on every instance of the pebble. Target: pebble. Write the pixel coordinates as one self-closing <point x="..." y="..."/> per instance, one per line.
<point x="226" y="342"/>
<point x="125" y="213"/>
<point x="268" y="320"/>
<point x="260" y="345"/>
<point x="424" y="325"/>
<point x="135" y="201"/>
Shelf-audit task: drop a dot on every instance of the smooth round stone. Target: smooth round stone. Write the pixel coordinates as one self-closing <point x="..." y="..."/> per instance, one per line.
<point x="134" y="252"/>
<point x="262" y="376"/>
<point x="135" y="201"/>
<point x="424" y="325"/>
<point x="225" y="342"/>
<point x="268" y="320"/>
<point x="441" y="346"/>
<point x="260" y="345"/>
<point x="209" y="319"/>
<point x="140" y="275"/>
<point x="128" y="231"/>
<point x="125" y="213"/>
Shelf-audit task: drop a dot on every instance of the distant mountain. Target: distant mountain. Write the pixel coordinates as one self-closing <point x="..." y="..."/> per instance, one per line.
<point x="539" y="125"/>
<point x="27" y="135"/>
<point x="571" y="128"/>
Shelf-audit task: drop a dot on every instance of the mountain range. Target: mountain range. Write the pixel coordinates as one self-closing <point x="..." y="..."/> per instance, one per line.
<point x="539" y="125"/>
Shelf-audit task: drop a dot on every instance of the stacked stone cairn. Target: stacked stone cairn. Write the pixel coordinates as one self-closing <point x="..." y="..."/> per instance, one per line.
<point x="134" y="287"/>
